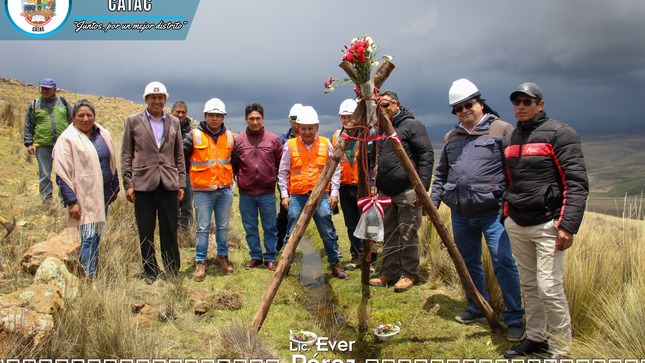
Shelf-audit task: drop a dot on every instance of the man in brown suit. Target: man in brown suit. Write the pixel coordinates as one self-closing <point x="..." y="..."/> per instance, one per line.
<point x="154" y="178"/>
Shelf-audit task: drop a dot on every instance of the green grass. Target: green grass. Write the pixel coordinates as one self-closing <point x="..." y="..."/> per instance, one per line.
<point x="604" y="282"/>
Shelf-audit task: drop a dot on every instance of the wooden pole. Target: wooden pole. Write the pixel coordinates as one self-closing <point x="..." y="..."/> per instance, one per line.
<point x="381" y="74"/>
<point x="424" y="198"/>
<point x="308" y="211"/>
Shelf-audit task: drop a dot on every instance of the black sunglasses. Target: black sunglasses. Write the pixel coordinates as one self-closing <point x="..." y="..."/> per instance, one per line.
<point x="525" y="102"/>
<point x="293" y="118"/>
<point x="467" y="106"/>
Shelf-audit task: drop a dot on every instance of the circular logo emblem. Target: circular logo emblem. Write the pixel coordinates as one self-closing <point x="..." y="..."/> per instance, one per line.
<point x="38" y="18"/>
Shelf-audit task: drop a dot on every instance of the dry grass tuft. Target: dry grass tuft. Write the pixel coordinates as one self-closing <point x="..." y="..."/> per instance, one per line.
<point x="237" y="342"/>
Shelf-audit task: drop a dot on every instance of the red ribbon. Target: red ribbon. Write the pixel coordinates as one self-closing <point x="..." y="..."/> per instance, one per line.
<point x="376" y="137"/>
<point x="366" y="203"/>
<point x="395" y="136"/>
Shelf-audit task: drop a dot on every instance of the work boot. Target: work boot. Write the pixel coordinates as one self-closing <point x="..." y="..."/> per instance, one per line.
<point x="253" y="264"/>
<point x="403" y="284"/>
<point x="338" y="271"/>
<point x="224" y="264"/>
<point x="200" y="271"/>
<point x="381" y="281"/>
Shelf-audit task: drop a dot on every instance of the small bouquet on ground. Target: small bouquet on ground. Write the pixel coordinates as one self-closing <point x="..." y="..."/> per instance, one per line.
<point x="302" y="337"/>
<point x="386" y="331"/>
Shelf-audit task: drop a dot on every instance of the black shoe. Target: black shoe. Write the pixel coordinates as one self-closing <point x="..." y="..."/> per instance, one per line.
<point x="527" y="347"/>
<point x="468" y="317"/>
<point x="515" y="332"/>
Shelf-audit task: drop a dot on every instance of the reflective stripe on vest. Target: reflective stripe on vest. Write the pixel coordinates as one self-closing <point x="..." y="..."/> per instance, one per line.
<point x="307" y="164"/>
<point x="348" y="173"/>
<point x="210" y="162"/>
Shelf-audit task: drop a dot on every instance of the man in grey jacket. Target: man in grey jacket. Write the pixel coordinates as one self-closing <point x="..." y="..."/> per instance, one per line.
<point x="470" y="180"/>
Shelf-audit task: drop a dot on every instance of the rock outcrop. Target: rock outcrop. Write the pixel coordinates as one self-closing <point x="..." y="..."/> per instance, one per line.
<point x="54" y="272"/>
<point x="65" y="246"/>
<point x="30" y="312"/>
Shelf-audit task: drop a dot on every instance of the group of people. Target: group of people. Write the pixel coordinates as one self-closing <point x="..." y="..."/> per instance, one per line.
<point x="523" y="189"/>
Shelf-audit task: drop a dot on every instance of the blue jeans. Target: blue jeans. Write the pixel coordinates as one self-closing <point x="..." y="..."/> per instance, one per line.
<point x="322" y="218"/>
<point x="219" y="202"/>
<point x="44" y="158"/>
<point x="468" y="238"/>
<point x="90" y="239"/>
<point x="249" y="207"/>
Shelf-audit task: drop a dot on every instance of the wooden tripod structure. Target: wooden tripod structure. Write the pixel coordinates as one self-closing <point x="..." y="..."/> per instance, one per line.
<point x="359" y="118"/>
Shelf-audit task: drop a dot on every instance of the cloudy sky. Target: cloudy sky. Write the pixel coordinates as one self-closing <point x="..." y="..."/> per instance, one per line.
<point x="587" y="55"/>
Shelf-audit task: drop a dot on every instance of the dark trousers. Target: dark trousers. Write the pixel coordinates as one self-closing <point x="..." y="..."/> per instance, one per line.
<point x="146" y="207"/>
<point x="186" y="207"/>
<point x="281" y="223"/>
<point x="348" y="194"/>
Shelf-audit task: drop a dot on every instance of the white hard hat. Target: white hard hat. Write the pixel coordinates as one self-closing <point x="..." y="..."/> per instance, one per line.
<point x="294" y="109"/>
<point x="307" y="116"/>
<point x="215" y="105"/>
<point x="462" y="90"/>
<point x="155" y="88"/>
<point x="347" y="107"/>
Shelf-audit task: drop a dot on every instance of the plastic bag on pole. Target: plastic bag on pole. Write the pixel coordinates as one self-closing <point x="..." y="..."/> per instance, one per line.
<point x="370" y="225"/>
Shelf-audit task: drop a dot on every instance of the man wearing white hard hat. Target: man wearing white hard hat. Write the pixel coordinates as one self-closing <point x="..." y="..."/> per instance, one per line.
<point x="470" y="180"/>
<point x="210" y="147"/>
<point x="154" y="178"/>
<point x="348" y="192"/>
<point x="303" y="159"/>
<point x="282" y="220"/>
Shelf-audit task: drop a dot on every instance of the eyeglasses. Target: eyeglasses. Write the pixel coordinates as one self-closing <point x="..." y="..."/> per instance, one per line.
<point x="525" y="102"/>
<point x="467" y="106"/>
<point x="293" y="118"/>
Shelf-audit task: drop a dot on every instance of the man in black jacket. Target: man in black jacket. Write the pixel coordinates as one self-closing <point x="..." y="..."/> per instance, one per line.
<point x="544" y="204"/>
<point x="180" y="111"/>
<point x="402" y="218"/>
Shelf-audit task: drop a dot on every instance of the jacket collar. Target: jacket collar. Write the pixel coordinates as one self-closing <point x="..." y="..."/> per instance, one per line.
<point x="538" y="120"/>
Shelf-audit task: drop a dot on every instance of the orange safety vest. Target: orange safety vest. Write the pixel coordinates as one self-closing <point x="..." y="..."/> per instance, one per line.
<point x="210" y="163"/>
<point x="348" y="173"/>
<point x="307" y="164"/>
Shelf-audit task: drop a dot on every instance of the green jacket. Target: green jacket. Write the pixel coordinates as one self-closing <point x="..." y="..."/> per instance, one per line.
<point x="44" y="116"/>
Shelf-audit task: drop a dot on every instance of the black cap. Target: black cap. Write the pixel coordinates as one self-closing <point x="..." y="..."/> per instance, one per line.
<point x="529" y="89"/>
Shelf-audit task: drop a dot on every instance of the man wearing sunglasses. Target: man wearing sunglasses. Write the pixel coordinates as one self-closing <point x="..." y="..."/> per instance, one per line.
<point x="470" y="180"/>
<point x="544" y="203"/>
<point x="402" y="218"/>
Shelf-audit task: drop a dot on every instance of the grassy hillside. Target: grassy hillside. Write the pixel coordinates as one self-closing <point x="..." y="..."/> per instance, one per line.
<point x="605" y="283"/>
<point x="616" y="165"/>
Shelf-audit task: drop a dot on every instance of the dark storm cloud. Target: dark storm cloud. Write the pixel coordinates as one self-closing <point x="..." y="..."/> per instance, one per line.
<point x="586" y="55"/>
